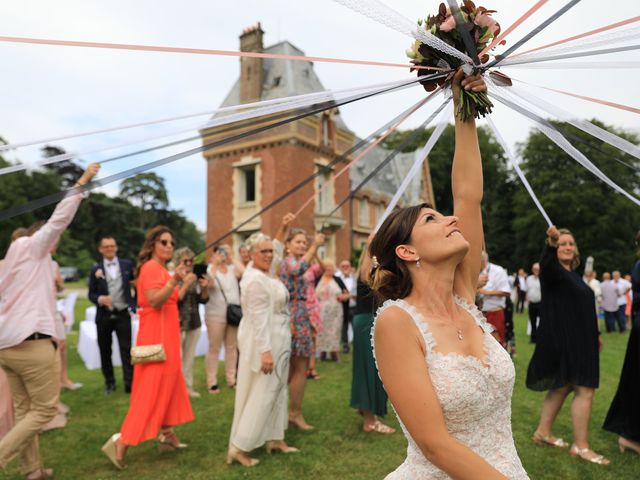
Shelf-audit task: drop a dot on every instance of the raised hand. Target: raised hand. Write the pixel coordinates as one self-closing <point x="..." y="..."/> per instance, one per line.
<point x="91" y="171"/>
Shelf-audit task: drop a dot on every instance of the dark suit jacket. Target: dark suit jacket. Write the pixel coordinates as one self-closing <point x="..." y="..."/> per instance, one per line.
<point x="99" y="286"/>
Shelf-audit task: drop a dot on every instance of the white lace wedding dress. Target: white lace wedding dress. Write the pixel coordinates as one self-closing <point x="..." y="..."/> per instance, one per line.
<point x="475" y="397"/>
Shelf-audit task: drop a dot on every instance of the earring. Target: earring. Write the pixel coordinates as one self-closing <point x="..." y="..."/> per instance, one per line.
<point x="418" y="263"/>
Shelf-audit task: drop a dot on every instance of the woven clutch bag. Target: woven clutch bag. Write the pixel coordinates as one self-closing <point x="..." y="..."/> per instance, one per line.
<point x="148" y="354"/>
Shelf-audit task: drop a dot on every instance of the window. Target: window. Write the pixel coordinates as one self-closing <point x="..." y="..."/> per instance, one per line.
<point x="324" y="191"/>
<point x="249" y="175"/>
<point x="364" y="212"/>
<point x="380" y="208"/>
<point x="325" y="130"/>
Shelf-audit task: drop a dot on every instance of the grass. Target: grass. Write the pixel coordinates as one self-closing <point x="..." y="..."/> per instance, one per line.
<point x="336" y="449"/>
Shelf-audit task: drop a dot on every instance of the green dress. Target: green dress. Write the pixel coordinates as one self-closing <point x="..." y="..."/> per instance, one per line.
<point x="367" y="392"/>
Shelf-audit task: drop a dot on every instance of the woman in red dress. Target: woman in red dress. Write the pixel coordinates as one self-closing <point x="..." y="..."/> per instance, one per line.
<point x="159" y="398"/>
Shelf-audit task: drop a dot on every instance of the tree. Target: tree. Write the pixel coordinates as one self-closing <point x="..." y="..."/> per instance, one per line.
<point x="604" y="222"/>
<point x="68" y="171"/>
<point x="98" y="215"/>
<point x="147" y="191"/>
<point x="499" y="185"/>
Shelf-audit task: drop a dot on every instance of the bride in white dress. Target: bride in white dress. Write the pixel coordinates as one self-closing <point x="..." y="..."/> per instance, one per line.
<point x="449" y="380"/>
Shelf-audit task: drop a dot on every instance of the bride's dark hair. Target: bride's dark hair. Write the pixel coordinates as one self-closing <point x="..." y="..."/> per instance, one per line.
<point x="390" y="277"/>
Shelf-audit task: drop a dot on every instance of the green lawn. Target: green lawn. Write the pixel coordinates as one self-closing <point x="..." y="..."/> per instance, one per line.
<point x="337" y="449"/>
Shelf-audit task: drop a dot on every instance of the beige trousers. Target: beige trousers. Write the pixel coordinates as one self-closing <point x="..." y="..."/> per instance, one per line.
<point x="218" y="331"/>
<point x="33" y="370"/>
<point x="189" y="343"/>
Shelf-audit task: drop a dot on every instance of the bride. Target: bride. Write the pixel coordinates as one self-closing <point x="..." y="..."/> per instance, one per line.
<point x="450" y="382"/>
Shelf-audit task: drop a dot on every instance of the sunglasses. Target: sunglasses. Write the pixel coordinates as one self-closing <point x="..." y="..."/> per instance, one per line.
<point x="167" y="242"/>
<point x="266" y="251"/>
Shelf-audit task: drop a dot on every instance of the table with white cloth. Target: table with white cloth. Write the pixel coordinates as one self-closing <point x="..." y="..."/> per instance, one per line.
<point x="88" y="340"/>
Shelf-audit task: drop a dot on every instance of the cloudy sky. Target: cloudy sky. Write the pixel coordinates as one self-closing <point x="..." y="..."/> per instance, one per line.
<point x="48" y="91"/>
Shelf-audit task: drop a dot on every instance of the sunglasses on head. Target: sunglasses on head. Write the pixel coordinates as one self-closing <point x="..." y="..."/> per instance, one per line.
<point x="167" y="242"/>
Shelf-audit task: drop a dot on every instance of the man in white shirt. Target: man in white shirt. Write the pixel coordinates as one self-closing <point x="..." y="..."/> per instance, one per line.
<point x="494" y="297"/>
<point x="534" y="297"/>
<point x="28" y="351"/>
<point x="345" y="273"/>
<point x="622" y="287"/>
<point x="609" y="302"/>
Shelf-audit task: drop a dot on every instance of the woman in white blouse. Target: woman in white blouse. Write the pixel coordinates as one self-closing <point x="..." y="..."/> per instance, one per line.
<point x="264" y="340"/>
<point x="224" y="275"/>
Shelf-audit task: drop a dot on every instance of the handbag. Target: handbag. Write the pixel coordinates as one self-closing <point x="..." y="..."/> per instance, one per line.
<point x="234" y="312"/>
<point x="150" y="353"/>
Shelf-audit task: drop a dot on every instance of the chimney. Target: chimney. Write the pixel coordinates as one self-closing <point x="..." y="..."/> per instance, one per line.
<point x="251" y="68"/>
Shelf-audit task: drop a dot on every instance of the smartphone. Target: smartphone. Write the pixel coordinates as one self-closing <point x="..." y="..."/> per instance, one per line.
<point x="200" y="269"/>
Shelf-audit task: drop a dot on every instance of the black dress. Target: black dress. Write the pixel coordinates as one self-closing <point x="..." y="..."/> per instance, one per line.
<point x="624" y="414"/>
<point x="566" y="350"/>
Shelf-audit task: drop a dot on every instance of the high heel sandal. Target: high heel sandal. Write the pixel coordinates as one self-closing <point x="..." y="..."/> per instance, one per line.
<point x="168" y="442"/>
<point x="583" y="453"/>
<point x="548" y="440"/>
<point x="110" y="449"/>
<point x="300" y="424"/>
<point x="234" y="454"/>
<point x="277" y="446"/>
<point x="43" y="473"/>
<point x="378" y="427"/>
<point x="623" y="444"/>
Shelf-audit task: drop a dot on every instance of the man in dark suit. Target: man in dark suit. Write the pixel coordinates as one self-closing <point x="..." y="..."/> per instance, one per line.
<point x="110" y="283"/>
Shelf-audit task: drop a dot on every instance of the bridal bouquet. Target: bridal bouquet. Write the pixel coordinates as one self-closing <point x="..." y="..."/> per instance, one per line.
<point x="482" y="28"/>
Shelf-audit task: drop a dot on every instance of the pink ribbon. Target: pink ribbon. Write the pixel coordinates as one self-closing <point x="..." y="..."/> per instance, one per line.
<point x="512" y="27"/>
<point x="582" y="35"/>
<point x="203" y="51"/>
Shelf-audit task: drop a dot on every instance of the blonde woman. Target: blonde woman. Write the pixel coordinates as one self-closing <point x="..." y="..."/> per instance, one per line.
<point x="264" y="341"/>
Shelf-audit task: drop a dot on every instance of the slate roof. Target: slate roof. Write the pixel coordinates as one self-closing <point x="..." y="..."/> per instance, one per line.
<point x="284" y="78"/>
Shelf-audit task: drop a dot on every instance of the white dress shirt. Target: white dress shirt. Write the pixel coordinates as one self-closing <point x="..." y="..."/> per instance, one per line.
<point x="534" y="295"/>
<point x="498" y="280"/>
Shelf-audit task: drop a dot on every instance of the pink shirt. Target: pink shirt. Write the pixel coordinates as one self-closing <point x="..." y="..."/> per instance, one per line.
<point x="27" y="302"/>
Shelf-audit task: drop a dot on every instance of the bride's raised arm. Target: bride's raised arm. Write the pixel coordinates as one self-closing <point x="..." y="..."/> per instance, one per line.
<point x="467" y="187"/>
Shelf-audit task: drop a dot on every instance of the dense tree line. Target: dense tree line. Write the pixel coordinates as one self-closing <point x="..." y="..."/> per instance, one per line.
<point x="142" y="203"/>
<point x="604" y="222"/>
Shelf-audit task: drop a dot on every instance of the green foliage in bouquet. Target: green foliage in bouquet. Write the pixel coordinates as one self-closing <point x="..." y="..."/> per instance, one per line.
<point x="482" y="28"/>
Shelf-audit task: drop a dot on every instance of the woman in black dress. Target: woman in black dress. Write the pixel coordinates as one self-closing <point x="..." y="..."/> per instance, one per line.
<point x="624" y="414"/>
<point x="566" y="356"/>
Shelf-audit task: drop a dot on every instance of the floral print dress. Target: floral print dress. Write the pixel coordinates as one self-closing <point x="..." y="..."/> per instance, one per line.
<point x="299" y="278"/>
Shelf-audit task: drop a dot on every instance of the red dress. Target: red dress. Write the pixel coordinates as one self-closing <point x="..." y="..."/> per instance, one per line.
<point x="159" y="395"/>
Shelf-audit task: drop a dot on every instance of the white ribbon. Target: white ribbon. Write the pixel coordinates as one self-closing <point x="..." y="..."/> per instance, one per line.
<point x="557" y="138"/>
<point x="255" y="109"/>
<point x="420" y="157"/>
<point x="584" y="125"/>
<point x="518" y="170"/>
<point x="381" y="13"/>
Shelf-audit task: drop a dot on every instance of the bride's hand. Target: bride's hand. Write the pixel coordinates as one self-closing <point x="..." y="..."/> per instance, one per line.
<point x="474" y="83"/>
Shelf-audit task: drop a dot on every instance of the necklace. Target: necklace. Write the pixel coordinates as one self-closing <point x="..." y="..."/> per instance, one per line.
<point x="459" y="334"/>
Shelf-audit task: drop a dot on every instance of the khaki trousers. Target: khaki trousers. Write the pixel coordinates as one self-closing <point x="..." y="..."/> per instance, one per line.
<point x="219" y="331"/>
<point x="189" y="342"/>
<point x="33" y="370"/>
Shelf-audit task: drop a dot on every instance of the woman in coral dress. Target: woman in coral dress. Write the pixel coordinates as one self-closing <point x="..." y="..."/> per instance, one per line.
<point x="159" y="398"/>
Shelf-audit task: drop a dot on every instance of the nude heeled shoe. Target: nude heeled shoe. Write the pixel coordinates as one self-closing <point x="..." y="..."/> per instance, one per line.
<point x="110" y="449"/>
<point x="236" y="455"/>
<point x="168" y="442"/>
<point x="623" y="444"/>
<point x="277" y="446"/>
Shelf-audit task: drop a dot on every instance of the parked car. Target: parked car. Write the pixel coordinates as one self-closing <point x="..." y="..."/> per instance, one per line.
<point x="70" y="274"/>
